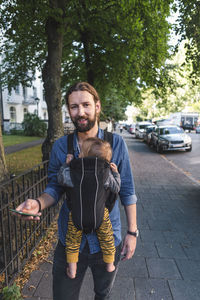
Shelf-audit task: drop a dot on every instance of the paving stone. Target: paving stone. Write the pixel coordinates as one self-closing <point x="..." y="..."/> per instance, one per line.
<point x="152" y="236"/>
<point x="123" y="289"/>
<point x="160" y="224"/>
<point x="189" y="269"/>
<point x="32" y="284"/>
<point x="35" y="298"/>
<point x="162" y="268"/>
<point x="136" y="267"/>
<point x="185" y="289"/>
<point x="193" y="236"/>
<point x="142" y="224"/>
<point x="192" y="251"/>
<point x="170" y="250"/>
<point x="46" y="266"/>
<point x="44" y="288"/>
<point x="152" y="289"/>
<point x="38" y="298"/>
<point x="178" y="236"/>
<point x="146" y="249"/>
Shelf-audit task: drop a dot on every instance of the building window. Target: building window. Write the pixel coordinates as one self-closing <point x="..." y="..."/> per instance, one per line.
<point x="25" y="111"/>
<point x="43" y="95"/>
<point x="45" y="115"/>
<point x="13" y="114"/>
<point x="25" y="92"/>
<point x="17" y="90"/>
<point x="34" y="92"/>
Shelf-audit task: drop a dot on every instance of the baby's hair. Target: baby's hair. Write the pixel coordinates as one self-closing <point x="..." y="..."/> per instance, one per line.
<point x="96" y="147"/>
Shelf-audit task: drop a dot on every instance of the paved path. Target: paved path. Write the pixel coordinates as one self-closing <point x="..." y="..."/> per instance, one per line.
<point x="18" y="147"/>
<point x="166" y="265"/>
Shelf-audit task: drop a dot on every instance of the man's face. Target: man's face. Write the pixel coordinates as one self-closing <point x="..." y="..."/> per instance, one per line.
<point x="83" y="110"/>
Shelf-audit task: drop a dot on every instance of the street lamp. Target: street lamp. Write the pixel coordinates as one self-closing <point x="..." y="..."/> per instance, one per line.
<point x="37" y="102"/>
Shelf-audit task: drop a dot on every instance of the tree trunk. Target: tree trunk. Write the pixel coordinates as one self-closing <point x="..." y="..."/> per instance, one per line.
<point x="51" y="75"/>
<point x="88" y="64"/>
<point x="3" y="167"/>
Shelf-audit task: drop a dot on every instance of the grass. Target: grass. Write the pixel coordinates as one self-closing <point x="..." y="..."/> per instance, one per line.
<point x="9" y="140"/>
<point x="21" y="161"/>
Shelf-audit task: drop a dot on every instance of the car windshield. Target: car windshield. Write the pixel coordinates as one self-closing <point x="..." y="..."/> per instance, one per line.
<point x="149" y="129"/>
<point x="171" y="130"/>
<point x="143" y="126"/>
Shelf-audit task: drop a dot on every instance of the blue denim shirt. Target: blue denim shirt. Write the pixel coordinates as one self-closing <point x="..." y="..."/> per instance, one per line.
<point x="127" y="192"/>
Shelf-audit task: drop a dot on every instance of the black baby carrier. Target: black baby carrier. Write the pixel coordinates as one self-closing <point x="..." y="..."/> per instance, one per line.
<point x="88" y="198"/>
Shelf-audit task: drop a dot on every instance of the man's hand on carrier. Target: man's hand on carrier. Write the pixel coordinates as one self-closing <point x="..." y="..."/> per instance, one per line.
<point x="129" y="246"/>
<point x="113" y="167"/>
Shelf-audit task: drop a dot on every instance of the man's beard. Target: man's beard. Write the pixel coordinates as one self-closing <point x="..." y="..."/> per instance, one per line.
<point x="84" y="127"/>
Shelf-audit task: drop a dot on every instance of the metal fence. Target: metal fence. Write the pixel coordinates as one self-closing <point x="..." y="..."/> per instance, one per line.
<point x="19" y="238"/>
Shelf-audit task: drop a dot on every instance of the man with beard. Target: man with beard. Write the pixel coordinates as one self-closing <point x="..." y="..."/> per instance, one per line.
<point x="84" y="108"/>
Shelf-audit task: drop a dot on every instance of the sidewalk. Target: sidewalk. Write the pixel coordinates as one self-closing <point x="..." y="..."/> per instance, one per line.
<point x="18" y="147"/>
<point x="166" y="264"/>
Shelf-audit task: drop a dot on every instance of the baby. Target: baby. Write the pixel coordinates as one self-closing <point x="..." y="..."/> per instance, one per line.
<point x="91" y="147"/>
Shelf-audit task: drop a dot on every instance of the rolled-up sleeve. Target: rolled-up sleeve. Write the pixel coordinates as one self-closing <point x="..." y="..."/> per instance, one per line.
<point x="121" y="157"/>
<point x="53" y="188"/>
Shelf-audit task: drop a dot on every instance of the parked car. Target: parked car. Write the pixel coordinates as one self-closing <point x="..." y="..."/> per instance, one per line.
<point x="198" y="129"/>
<point x="131" y="129"/>
<point x="139" y="129"/>
<point x="147" y="133"/>
<point x="171" y="137"/>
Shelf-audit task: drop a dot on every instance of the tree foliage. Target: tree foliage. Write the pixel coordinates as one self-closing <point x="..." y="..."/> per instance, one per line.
<point x="188" y="26"/>
<point x="115" y="45"/>
<point x="178" y="95"/>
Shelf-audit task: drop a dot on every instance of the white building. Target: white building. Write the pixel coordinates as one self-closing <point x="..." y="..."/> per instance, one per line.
<point x="22" y="100"/>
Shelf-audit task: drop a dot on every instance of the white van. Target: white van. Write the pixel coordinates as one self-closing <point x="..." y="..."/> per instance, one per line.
<point x="140" y="129"/>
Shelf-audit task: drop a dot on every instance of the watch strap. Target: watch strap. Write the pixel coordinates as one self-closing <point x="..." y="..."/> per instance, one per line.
<point x="135" y="234"/>
<point x="39" y="203"/>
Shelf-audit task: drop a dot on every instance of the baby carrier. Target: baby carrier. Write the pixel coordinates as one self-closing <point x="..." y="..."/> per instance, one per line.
<point x="88" y="198"/>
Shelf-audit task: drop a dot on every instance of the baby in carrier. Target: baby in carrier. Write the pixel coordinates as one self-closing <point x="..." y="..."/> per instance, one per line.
<point x="91" y="148"/>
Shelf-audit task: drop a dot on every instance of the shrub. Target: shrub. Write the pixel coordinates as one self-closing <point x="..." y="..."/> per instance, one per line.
<point x="33" y="126"/>
<point x="16" y="132"/>
<point x="12" y="293"/>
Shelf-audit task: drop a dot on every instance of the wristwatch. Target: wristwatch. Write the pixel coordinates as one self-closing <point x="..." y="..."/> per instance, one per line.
<point x="135" y="234"/>
<point x="39" y="203"/>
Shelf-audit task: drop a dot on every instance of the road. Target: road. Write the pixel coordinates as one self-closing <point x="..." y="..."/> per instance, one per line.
<point x="189" y="162"/>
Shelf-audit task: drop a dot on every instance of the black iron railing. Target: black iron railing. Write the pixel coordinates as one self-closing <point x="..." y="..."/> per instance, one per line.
<point x="19" y="238"/>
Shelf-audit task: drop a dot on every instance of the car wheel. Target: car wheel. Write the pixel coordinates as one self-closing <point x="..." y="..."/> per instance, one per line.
<point x="190" y="149"/>
<point x="159" y="149"/>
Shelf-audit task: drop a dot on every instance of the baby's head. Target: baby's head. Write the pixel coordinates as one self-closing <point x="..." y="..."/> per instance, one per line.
<point x="96" y="147"/>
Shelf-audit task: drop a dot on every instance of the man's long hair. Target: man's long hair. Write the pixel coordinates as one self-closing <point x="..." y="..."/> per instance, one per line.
<point x="82" y="86"/>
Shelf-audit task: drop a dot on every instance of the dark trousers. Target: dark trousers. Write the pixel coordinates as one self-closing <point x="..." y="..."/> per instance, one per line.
<point x="65" y="288"/>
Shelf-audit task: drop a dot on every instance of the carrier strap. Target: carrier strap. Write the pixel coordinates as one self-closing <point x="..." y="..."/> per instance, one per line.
<point x="70" y="146"/>
<point x="108" y="136"/>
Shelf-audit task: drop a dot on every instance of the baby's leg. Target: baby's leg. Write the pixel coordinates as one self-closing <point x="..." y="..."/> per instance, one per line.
<point x="106" y="240"/>
<point x="110" y="267"/>
<point x="71" y="270"/>
<point x="73" y="241"/>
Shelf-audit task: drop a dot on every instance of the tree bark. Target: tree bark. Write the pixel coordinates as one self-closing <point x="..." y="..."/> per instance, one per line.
<point x="88" y="64"/>
<point x="3" y="167"/>
<point x="51" y="75"/>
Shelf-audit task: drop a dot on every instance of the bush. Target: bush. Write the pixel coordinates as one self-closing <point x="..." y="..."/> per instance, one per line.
<point x="16" y="132"/>
<point x="12" y="293"/>
<point x="33" y="126"/>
